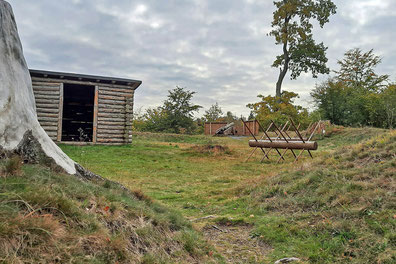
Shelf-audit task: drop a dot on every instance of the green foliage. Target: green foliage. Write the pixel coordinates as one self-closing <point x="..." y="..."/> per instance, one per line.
<point x="357" y="70"/>
<point x="388" y="98"/>
<point x="179" y="110"/>
<point x="229" y="117"/>
<point x="154" y="119"/>
<point x="213" y="113"/>
<point x="357" y="96"/>
<point x="279" y="109"/>
<point x="175" y="116"/>
<point x="292" y="28"/>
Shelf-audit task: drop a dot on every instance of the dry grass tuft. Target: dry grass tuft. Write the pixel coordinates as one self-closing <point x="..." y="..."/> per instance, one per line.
<point x="12" y="167"/>
<point x="141" y="196"/>
<point x="211" y="149"/>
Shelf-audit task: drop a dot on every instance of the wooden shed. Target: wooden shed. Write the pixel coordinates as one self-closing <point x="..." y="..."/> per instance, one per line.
<point x="77" y="108"/>
<point x="238" y="129"/>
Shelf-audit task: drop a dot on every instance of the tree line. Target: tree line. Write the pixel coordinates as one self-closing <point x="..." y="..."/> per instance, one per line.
<point x="356" y="95"/>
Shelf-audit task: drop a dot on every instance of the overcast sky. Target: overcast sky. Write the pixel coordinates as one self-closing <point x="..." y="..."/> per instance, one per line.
<point x="217" y="48"/>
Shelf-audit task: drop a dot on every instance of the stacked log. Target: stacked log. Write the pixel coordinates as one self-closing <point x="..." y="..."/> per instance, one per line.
<point x="282" y="144"/>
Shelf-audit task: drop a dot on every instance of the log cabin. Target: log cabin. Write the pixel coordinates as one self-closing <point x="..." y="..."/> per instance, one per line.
<point x="84" y="109"/>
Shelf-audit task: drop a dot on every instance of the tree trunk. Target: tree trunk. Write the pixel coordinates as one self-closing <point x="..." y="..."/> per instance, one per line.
<point x="20" y="131"/>
<point x="282" y="75"/>
<point x="286" y="60"/>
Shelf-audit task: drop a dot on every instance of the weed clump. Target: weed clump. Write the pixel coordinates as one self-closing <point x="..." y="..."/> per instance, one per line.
<point x="12" y="167"/>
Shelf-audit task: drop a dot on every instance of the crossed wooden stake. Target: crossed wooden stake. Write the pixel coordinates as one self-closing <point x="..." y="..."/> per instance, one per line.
<point x="283" y="140"/>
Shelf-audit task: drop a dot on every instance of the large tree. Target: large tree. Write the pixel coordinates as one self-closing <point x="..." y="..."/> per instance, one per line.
<point x="20" y="131"/>
<point x="292" y="28"/>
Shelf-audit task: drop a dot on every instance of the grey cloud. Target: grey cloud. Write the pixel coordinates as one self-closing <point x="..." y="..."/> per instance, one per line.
<point x="218" y="48"/>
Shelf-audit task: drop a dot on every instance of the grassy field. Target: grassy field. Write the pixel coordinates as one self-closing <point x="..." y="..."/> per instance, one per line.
<point x="337" y="208"/>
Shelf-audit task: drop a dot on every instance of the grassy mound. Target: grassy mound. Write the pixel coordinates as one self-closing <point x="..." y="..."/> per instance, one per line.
<point x="47" y="217"/>
<point x="341" y="208"/>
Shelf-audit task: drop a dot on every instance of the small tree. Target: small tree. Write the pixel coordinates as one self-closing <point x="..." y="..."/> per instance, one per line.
<point x="279" y="109"/>
<point x="357" y="70"/>
<point x="213" y="113"/>
<point x="389" y="102"/>
<point x="331" y="99"/>
<point x="179" y="110"/>
<point x="355" y="96"/>
<point x="292" y="28"/>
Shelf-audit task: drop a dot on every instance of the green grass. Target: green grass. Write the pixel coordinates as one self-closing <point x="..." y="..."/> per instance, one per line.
<point x="54" y="218"/>
<point x="337" y="208"/>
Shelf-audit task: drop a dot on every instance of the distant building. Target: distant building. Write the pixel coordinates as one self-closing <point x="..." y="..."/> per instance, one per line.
<point x="237" y="130"/>
<point x="76" y="108"/>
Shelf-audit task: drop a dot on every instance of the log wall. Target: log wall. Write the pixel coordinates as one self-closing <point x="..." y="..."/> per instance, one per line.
<point x="115" y="114"/>
<point x="113" y="110"/>
<point x="49" y="106"/>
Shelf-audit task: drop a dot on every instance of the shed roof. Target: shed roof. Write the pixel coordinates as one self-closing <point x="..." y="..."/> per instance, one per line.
<point x="83" y="77"/>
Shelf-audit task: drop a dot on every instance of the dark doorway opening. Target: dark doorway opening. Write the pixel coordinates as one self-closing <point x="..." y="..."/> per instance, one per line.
<point x="78" y="112"/>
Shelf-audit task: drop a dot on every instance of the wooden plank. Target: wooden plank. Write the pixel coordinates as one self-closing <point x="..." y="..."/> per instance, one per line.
<point x="47" y="106"/>
<point x="117" y="102"/>
<point x="116" y="111"/>
<point x="53" y="87"/>
<point x="47" y="101"/>
<point x="115" y="131"/>
<point x="126" y="89"/>
<point x="46" y="96"/>
<point x="114" y="93"/>
<point x="111" y="123"/>
<point x="49" y="124"/>
<point x="108" y="97"/>
<point x="114" y="106"/>
<point x="47" y="92"/>
<point x="109" y="140"/>
<point x="45" y="85"/>
<point x="96" y="109"/>
<point x="104" y="115"/>
<point x="111" y="136"/>
<point x="100" y="126"/>
<point x="60" y="113"/>
<point x="47" y="110"/>
<point x="49" y="128"/>
<point x="44" y="80"/>
<point x="47" y="119"/>
<point x="42" y="115"/>
<point x="117" y="119"/>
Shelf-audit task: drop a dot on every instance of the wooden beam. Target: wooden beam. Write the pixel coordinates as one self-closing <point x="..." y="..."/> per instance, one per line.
<point x="50" y="80"/>
<point x="96" y="109"/>
<point x="282" y="144"/>
<point x="60" y="116"/>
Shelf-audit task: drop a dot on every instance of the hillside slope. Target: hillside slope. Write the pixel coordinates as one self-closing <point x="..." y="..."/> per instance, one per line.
<point x="47" y="217"/>
<point x="339" y="208"/>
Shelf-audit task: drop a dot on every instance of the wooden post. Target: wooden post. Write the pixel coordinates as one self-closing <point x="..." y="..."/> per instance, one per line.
<point x="210" y="128"/>
<point x="128" y="118"/>
<point x="60" y="113"/>
<point x="95" y="117"/>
